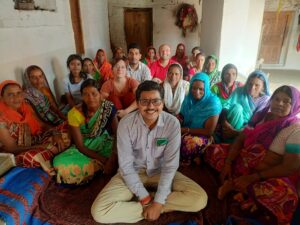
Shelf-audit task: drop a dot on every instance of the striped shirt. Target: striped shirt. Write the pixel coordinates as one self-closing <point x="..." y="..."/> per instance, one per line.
<point x="156" y="151"/>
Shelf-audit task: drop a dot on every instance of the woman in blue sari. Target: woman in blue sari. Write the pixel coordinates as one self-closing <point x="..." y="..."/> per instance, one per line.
<point x="199" y="114"/>
<point x="244" y="101"/>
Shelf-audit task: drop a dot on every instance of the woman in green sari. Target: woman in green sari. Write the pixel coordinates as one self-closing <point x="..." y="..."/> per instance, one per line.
<point x="92" y="127"/>
<point x="210" y="67"/>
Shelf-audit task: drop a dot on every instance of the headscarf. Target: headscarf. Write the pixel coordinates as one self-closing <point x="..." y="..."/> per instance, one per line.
<point x="147" y="60"/>
<point x="224" y="91"/>
<point x="214" y="76"/>
<point x="241" y="95"/>
<point x="183" y="60"/>
<point x="196" y="112"/>
<point x="264" y="133"/>
<point x="173" y="102"/>
<point x="41" y="100"/>
<point x="24" y="115"/>
<point x="105" y="69"/>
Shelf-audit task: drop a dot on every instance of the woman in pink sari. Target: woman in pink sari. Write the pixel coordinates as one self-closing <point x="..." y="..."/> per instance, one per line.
<point x="263" y="163"/>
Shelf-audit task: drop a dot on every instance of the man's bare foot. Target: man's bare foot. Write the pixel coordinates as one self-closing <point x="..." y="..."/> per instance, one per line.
<point x="225" y="189"/>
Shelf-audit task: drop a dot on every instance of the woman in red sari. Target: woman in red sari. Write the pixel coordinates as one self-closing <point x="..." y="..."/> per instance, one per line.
<point x="263" y="163"/>
<point x="180" y="56"/>
<point x="33" y="142"/>
<point x="150" y="56"/>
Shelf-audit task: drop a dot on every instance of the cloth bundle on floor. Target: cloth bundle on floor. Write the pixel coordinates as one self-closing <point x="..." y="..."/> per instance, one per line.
<point x="20" y="189"/>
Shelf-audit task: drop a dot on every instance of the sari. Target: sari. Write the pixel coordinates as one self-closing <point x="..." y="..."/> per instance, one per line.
<point x="195" y="113"/>
<point x="105" y="69"/>
<point x="147" y="60"/>
<point x="220" y="88"/>
<point x="223" y="92"/>
<point x="277" y="195"/>
<point x="72" y="166"/>
<point x="214" y="76"/>
<point x="42" y="101"/>
<point x="173" y="101"/>
<point x="241" y="106"/>
<point x="182" y="60"/>
<point x="26" y="130"/>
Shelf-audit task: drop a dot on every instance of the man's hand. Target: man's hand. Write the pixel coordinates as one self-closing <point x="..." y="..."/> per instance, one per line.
<point x="153" y="211"/>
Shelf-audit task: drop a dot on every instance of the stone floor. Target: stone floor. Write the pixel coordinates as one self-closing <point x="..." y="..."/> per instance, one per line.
<point x="281" y="77"/>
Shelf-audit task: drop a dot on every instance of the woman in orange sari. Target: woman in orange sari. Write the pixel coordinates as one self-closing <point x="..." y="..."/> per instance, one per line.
<point x="32" y="142"/>
<point x="104" y="67"/>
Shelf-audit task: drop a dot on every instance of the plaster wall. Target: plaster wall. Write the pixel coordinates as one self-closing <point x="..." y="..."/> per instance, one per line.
<point x="46" y="38"/>
<point x="240" y="34"/>
<point x="164" y="18"/>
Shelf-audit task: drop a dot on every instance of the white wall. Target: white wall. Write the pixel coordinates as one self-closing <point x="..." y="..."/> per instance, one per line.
<point x="34" y="37"/>
<point x="240" y="34"/>
<point x="46" y="38"/>
<point x="211" y="24"/>
<point x="164" y="18"/>
<point x="94" y="14"/>
<point x="292" y="57"/>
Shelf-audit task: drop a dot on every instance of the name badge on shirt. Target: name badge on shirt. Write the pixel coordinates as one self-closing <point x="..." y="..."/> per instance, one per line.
<point x="161" y="141"/>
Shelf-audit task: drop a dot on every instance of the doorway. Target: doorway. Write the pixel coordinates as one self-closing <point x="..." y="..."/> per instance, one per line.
<point x="139" y="27"/>
<point x="275" y="29"/>
<point x="76" y="24"/>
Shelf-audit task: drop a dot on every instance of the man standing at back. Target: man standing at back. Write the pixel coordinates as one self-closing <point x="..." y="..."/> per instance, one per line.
<point x="148" y="142"/>
<point x="160" y="67"/>
<point x="136" y="69"/>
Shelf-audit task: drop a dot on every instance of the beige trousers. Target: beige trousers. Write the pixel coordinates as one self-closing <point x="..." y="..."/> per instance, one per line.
<point x="114" y="203"/>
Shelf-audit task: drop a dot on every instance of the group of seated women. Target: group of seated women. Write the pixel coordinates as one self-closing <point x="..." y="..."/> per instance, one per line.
<point x="73" y="143"/>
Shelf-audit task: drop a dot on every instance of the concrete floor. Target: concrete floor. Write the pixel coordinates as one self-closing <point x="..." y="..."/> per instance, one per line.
<point x="278" y="78"/>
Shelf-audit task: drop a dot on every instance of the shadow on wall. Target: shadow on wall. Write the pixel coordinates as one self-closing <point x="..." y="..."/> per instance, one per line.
<point x="19" y="71"/>
<point x="59" y="74"/>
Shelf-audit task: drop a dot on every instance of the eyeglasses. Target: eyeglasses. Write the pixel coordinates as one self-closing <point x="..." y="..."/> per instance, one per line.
<point x="146" y="102"/>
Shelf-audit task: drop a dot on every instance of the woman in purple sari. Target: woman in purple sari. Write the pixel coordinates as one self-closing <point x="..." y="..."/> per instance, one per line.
<point x="263" y="162"/>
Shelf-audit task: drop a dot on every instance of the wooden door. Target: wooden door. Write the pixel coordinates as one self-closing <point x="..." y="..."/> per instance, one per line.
<point x="138" y="27"/>
<point x="274" y="33"/>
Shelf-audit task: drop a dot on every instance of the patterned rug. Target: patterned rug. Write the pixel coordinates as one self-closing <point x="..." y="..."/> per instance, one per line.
<point x="71" y="205"/>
